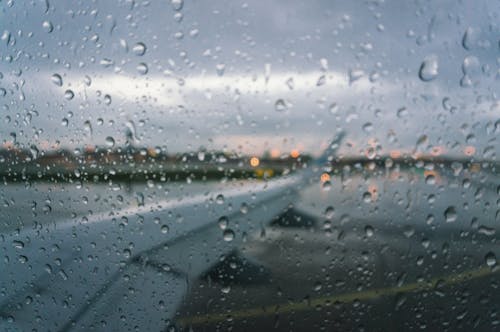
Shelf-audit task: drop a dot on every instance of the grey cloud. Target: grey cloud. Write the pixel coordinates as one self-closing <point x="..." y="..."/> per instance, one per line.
<point x="384" y="39"/>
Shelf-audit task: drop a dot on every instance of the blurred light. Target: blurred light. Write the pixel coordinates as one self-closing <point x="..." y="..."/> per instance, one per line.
<point x="295" y="153"/>
<point x="437" y="151"/>
<point x="475" y="167"/>
<point x="275" y="153"/>
<point x="373" y="190"/>
<point x="89" y="148"/>
<point x="433" y="173"/>
<point x="8" y="145"/>
<point x="152" y="152"/>
<point x="325" y="177"/>
<point x="395" y="154"/>
<point x="254" y="161"/>
<point x="469" y="150"/>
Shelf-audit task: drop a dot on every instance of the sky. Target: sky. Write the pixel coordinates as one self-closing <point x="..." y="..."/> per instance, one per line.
<point x="247" y="77"/>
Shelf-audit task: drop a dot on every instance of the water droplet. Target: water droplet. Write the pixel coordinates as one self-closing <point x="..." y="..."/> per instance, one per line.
<point x="324" y="64"/>
<point x="63" y="275"/>
<point x="228" y="235"/>
<point x="471" y="68"/>
<point x="368" y="127"/>
<point x="23" y="259"/>
<point x="490" y="259"/>
<point x="329" y="211"/>
<point x="127" y="253"/>
<point x="107" y="100"/>
<point x="450" y="214"/>
<point x="402" y="112"/>
<point x="177" y="4"/>
<point x="57" y="79"/>
<point x="425" y="243"/>
<point x="280" y="105"/>
<point x="290" y="83"/>
<point x="321" y="80"/>
<point x="429" y="69"/>
<point x="139" y="49"/>
<point x="430" y="179"/>
<point x="194" y="33"/>
<point x="369" y="231"/>
<point x="178" y="17"/>
<point x="201" y="155"/>
<point x="107" y="62"/>
<point x="355" y="74"/>
<point x="47" y="26"/>
<point x="223" y="222"/>
<point x="142" y="68"/>
<point x="334" y="108"/>
<point x="420" y="260"/>
<point x="219" y="199"/>
<point x="110" y="141"/>
<point x="18" y="244"/>
<point x="327" y="185"/>
<point x="34" y="152"/>
<point x="408" y="231"/>
<point x="488" y="231"/>
<point x="64" y="122"/>
<point x="87" y="80"/>
<point x="367" y="197"/>
<point x="469" y="38"/>
<point x="164" y="229"/>
<point x="6" y="37"/>
<point x="69" y="94"/>
<point x="244" y="208"/>
<point x="220" y="68"/>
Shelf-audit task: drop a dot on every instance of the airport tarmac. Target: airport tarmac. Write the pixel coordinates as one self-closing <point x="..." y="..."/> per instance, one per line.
<point x="344" y="260"/>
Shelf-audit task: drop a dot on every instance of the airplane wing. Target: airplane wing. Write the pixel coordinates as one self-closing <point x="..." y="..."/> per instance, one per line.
<point x="109" y="271"/>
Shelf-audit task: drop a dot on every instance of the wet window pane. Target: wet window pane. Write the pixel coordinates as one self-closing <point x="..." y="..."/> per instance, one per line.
<point x="231" y="165"/>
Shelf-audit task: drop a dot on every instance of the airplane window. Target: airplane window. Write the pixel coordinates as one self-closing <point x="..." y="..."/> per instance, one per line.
<point x="187" y="165"/>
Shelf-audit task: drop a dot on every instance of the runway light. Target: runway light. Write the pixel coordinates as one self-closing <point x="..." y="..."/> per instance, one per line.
<point x="254" y="161"/>
<point x="325" y="177"/>
<point x="275" y="153"/>
<point x="395" y="154"/>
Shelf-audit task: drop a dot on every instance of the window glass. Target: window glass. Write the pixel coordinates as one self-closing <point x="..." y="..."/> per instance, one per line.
<point x="231" y="165"/>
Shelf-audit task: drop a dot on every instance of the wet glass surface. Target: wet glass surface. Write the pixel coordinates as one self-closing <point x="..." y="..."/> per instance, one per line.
<point x="266" y="165"/>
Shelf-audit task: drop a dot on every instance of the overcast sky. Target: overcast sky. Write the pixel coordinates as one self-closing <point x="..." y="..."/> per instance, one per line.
<point x="251" y="76"/>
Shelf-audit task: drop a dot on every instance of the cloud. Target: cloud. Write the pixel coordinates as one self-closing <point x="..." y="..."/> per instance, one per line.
<point x="216" y="72"/>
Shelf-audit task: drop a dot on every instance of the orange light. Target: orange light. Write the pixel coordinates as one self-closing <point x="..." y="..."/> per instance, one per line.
<point x="325" y="177"/>
<point x="474" y="168"/>
<point x="152" y="152"/>
<point x="430" y="172"/>
<point x="275" y="153"/>
<point x="469" y="150"/>
<point x="373" y="189"/>
<point x="437" y="151"/>
<point x="295" y="153"/>
<point x="254" y="161"/>
<point x="433" y="173"/>
<point x="395" y="154"/>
